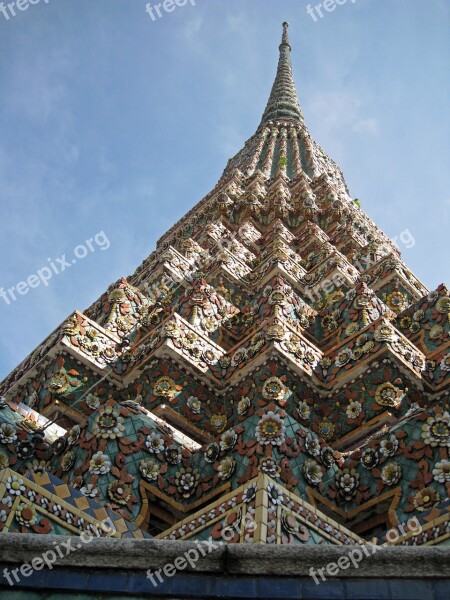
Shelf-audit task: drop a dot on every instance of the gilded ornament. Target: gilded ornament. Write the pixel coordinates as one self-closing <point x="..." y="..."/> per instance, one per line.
<point x="165" y="387"/>
<point x="388" y="395"/>
<point x="273" y="389"/>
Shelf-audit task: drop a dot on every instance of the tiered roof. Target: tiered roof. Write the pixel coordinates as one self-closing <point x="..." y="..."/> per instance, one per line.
<point x="272" y="373"/>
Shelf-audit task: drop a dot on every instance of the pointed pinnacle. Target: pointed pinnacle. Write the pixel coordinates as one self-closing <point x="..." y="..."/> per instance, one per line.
<point x="285" y="39"/>
<point x="283" y="102"/>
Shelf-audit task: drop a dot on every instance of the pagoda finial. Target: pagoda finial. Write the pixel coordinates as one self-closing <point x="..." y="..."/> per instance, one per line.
<point x="285" y="39"/>
<point x="283" y="102"/>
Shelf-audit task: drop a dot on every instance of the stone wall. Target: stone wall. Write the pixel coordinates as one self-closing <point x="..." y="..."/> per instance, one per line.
<point x="108" y="568"/>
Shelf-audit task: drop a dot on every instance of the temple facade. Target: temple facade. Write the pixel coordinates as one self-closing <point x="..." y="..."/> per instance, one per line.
<point x="273" y="373"/>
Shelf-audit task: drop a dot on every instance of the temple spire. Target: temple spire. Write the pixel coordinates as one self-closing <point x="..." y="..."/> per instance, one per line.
<point x="285" y="39"/>
<point x="283" y="102"/>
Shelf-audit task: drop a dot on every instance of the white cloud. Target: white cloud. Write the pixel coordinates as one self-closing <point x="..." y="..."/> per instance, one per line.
<point x="341" y="110"/>
<point x="192" y="27"/>
<point x="369" y="126"/>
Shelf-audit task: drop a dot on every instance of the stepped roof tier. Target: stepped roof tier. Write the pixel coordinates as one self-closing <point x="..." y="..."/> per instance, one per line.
<point x="272" y="373"/>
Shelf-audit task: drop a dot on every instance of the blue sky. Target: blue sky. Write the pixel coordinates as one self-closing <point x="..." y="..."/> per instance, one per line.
<point x="113" y="122"/>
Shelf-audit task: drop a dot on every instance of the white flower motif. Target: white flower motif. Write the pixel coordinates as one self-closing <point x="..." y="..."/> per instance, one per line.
<point x="275" y="494"/>
<point x="15" y="485"/>
<point x="354" y="409"/>
<point x="194" y="405"/>
<point x="436" y="431"/>
<point x="369" y="458"/>
<point x="228" y="440"/>
<point x="343" y="357"/>
<point x="312" y="445"/>
<point x="155" y="443"/>
<point x="347" y="481"/>
<point x="149" y="469"/>
<point x="108" y="424"/>
<point x="92" y="401"/>
<point x="270" y="430"/>
<point x="303" y="409"/>
<point x="250" y="493"/>
<point x="445" y="363"/>
<point x="391" y="473"/>
<point x="7" y="501"/>
<point x="389" y="446"/>
<point x="39" y="466"/>
<point x="226" y="468"/>
<point x="7" y="433"/>
<point x="441" y="471"/>
<point x="100" y="464"/>
<point x="243" y="405"/>
<point x="239" y="356"/>
<point x="44" y="502"/>
<point x="89" y="490"/>
<point x="173" y="455"/>
<point x="312" y="472"/>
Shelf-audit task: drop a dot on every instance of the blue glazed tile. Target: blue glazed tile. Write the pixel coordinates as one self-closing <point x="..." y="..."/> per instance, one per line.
<point x="236" y="587"/>
<point x="192" y="586"/>
<point x="357" y="589"/>
<point x="36" y="579"/>
<point x="412" y="590"/>
<point x="442" y="589"/>
<point x="326" y="590"/>
<point x="90" y="512"/>
<point x="279" y="588"/>
<point x="67" y="580"/>
<point x="107" y="582"/>
<point x="141" y="584"/>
